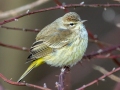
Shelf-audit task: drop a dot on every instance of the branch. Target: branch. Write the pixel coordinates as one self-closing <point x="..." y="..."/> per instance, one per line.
<point x="107" y="56"/>
<point x="99" y="42"/>
<point x="61" y="80"/>
<point x="92" y="55"/>
<point x="14" y="47"/>
<point x="21" y="9"/>
<point x="101" y="51"/>
<point x="22" y="84"/>
<point x="100" y="78"/>
<point x="94" y="38"/>
<point x="101" y="45"/>
<point x="21" y="29"/>
<point x="37" y="30"/>
<point x="58" y="7"/>
<point x="103" y="71"/>
<point x="116" y="61"/>
<point x="64" y="79"/>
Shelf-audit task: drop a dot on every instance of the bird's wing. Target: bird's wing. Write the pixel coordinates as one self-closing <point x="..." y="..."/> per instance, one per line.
<point x="46" y="43"/>
<point x="54" y="37"/>
<point x="57" y="39"/>
<point x="38" y="50"/>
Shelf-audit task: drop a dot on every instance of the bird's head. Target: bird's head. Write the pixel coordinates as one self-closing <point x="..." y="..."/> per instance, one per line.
<point x="72" y="21"/>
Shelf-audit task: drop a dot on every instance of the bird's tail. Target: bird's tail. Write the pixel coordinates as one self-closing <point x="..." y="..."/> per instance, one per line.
<point x="33" y="65"/>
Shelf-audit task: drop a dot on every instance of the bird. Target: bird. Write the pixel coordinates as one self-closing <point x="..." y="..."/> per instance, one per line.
<point x="59" y="44"/>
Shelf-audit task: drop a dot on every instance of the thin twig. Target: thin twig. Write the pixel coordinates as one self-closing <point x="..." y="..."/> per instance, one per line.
<point x="100" y="42"/>
<point x="91" y="55"/>
<point x="101" y="45"/>
<point x="14" y="47"/>
<point x="16" y="11"/>
<point x="100" y="78"/>
<point x="107" y="56"/>
<point x="57" y="7"/>
<point x="21" y="83"/>
<point x="101" y="51"/>
<point x="116" y="61"/>
<point x="21" y="29"/>
<point x="95" y="39"/>
<point x="61" y="79"/>
<point x="60" y="5"/>
<point x="64" y="79"/>
<point x="103" y="71"/>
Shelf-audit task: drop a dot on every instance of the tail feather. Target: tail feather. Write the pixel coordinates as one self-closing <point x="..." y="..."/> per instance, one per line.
<point x="33" y="65"/>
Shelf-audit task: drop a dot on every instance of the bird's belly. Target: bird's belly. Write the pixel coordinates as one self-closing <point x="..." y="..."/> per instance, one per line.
<point x="68" y="55"/>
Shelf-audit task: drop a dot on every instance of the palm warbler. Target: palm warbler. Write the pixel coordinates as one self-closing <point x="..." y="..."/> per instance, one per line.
<point x="61" y="43"/>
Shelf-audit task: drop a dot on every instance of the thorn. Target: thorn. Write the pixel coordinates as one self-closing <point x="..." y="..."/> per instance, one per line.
<point x="27" y="11"/>
<point x="26" y="84"/>
<point x="62" y="7"/>
<point x="82" y="3"/>
<point x="24" y="48"/>
<point x="36" y="30"/>
<point x="62" y="70"/>
<point x="102" y="79"/>
<point x="113" y="69"/>
<point x="95" y="36"/>
<point x="74" y="8"/>
<point x="44" y="85"/>
<point x="100" y="50"/>
<point x="57" y="84"/>
<point x="23" y="29"/>
<point x="81" y="63"/>
<point x="105" y="9"/>
<point x="57" y="75"/>
<point x="107" y="55"/>
<point x="16" y="19"/>
<point x="118" y="49"/>
<point x="10" y="78"/>
<point x="96" y="41"/>
<point x="84" y="86"/>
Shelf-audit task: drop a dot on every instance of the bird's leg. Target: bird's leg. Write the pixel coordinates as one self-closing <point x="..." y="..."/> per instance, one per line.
<point x="67" y="68"/>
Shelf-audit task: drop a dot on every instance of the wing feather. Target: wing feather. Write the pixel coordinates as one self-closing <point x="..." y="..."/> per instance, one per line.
<point x="47" y="41"/>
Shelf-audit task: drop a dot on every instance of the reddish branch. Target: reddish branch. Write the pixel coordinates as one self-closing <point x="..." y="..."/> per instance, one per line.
<point x="107" y="56"/>
<point x="14" y="47"/>
<point x="103" y="71"/>
<point x="66" y="6"/>
<point x="101" y="51"/>
<point x="116" y="61"/>
<point x="102" y="46"/>
<point x="18" y="10"/>
<point x="58" y="7"/>
<point x="22" y="84"/>
<point x="94" y="38"/>
<point x="100" y="78"/>
<point x="39" y="87"/>
<point x="21" y="29"/>
<point x="61" y="79"/>
<point x="91" y="55"/>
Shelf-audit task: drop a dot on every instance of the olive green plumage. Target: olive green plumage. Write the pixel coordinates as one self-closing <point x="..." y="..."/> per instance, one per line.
<point x="61" y="43"/>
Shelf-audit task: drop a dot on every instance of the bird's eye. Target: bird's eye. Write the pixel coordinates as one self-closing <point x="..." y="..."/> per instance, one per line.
<point x="71" y="24"/>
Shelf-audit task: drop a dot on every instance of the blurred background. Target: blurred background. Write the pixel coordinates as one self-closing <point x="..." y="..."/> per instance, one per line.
<point x="103" y="22"/>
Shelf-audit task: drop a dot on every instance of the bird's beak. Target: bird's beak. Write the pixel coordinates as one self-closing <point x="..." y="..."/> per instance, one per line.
<point x="83" y="21"/>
